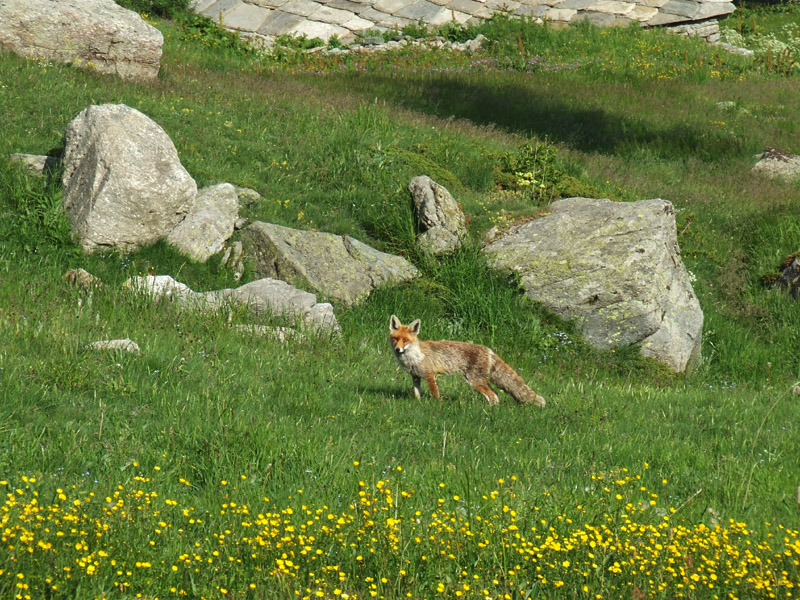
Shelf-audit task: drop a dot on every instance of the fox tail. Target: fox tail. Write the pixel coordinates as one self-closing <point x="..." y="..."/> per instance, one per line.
<point x="507" y="380"/>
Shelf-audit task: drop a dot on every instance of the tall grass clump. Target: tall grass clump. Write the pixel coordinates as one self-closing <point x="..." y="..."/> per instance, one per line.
<point x="33" y="219"/>
<point x="776" y="52"/>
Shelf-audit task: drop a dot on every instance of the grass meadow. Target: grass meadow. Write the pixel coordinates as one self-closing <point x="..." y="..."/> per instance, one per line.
<point x="220" y="464"/>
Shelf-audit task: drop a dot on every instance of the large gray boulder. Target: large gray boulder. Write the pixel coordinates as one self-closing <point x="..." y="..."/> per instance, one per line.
<point x="441" y="222"/>
<point x="210" y="223"/>
<point x="337" y="266"/>
<point x="96" y="34"/>
<point x="124" y="185"/>
<point x="614" y="268"/>
<point x="268" y="297"/>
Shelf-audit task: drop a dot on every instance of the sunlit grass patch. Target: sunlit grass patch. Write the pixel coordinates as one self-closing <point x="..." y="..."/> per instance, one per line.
<point x="260" y="496"/>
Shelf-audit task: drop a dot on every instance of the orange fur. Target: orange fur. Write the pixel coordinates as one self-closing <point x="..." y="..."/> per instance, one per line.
<point x="478" y="364"/>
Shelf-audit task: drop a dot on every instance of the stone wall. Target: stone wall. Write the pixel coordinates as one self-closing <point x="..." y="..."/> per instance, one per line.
<point x="708" y="30"/>
<point x="264" y="20"/>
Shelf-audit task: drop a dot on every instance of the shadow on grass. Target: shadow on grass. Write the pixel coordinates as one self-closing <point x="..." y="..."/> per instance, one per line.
<point x="544" y="109"/>
<point x="387" y="392"/>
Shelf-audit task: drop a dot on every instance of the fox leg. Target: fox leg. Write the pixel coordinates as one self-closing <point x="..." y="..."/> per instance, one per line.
<point x="417" y="382"/>
<point x="487" y="391"/>
<point x="434" y="389"/>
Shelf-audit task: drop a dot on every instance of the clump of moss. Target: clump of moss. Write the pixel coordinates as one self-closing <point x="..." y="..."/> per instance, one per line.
<point x="425" y="165"/>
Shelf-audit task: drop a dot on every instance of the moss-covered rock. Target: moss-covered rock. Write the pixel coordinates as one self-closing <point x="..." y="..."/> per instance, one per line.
<point x="613" y="268"/>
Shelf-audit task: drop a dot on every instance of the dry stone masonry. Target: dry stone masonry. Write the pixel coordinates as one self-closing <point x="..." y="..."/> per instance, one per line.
<point x="264" y="20"/>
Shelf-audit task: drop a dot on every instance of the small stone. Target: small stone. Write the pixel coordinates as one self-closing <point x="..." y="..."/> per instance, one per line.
<point x="36" y="164"/>
<point x="736" y="49"/>
<point x="81" y="278"/>
<point x="123" y="345"/>
<point x="282" y="334"/>
<point x="247" y="197"/>
<point x="372" y="40"/>
<point x="209" y="224"/>
<point x="777" y="164"/>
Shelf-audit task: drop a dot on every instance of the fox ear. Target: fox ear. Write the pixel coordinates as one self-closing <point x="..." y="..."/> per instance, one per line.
<point x="414" y="327"/>
<point x="394" y="323"/>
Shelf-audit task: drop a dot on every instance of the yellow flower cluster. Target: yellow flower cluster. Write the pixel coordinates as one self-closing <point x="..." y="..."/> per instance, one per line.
<point x="383" y="542"/>
<point x="527" y="179"/>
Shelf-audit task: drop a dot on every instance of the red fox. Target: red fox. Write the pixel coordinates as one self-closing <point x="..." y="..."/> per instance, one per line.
<point x="478" y="364"/>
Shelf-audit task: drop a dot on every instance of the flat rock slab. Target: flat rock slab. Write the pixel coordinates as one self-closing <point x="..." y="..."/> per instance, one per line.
<point x="337" y="266"/>
<point x="124" y="345"/>
<point x="269" y="297"/>
<point x="614" y="269"/>
<point x="281" y="334"/>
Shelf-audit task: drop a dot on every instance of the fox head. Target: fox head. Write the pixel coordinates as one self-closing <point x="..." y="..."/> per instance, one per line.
<point x="402" y="336"/>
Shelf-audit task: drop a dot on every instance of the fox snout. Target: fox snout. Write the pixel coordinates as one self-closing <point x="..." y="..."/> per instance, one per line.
<point x="399" y="345"/>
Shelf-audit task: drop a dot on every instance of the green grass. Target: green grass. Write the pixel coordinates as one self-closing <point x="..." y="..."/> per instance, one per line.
<point x="124" y="474"/>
